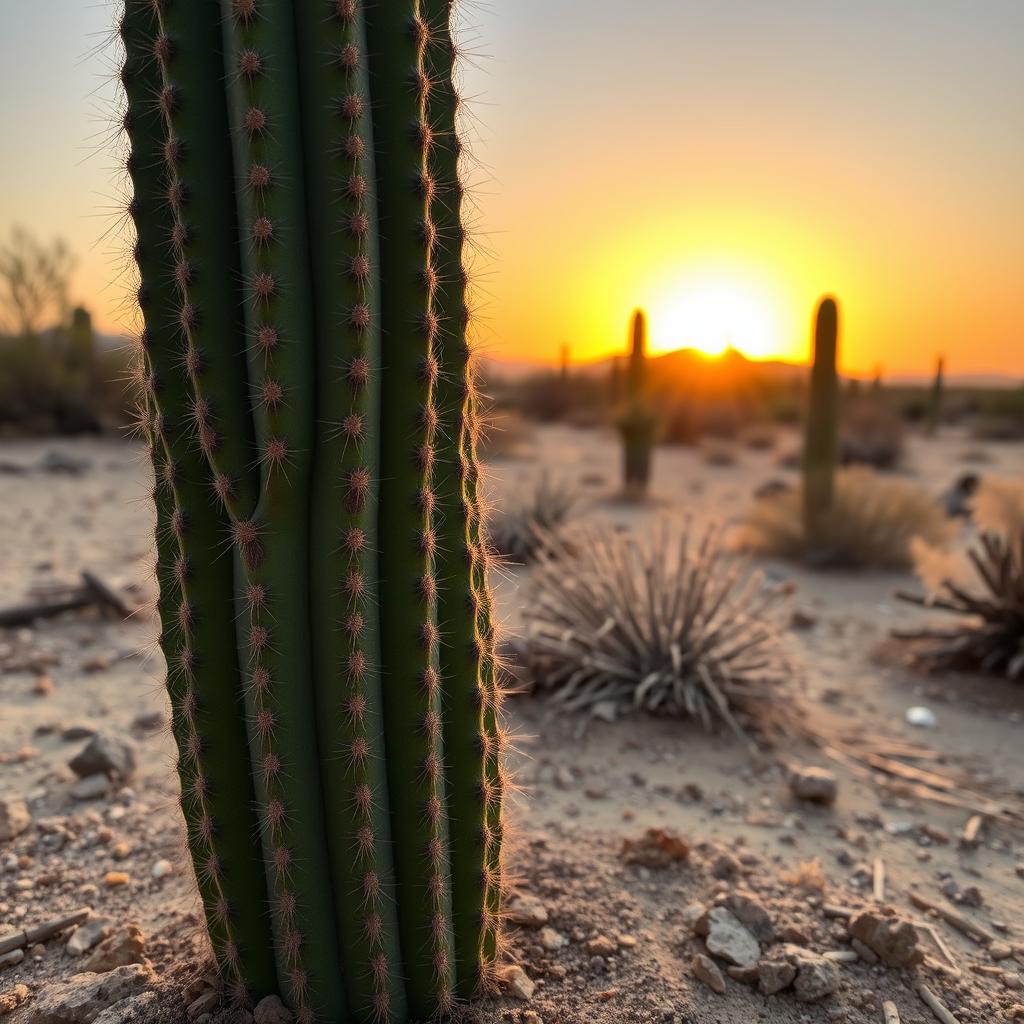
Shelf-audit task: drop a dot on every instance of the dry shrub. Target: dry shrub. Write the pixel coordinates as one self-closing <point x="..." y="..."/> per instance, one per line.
<point x="871" y="434"/>
<point x="517" y="533"/>
<point x="760" y="437"/>
<point x="988" y="634"/>
<point x="716" y="452"/>
<point x="872" y="524"/>
<point x="808" y="874"/>
<point x="673" y="625"/>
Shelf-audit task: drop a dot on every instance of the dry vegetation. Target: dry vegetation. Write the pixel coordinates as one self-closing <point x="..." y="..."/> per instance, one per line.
<point x="517" y="533"/>
<point x="988" y="635"/>
<point x="675" y="626"/>
<point x="872" y="524"/>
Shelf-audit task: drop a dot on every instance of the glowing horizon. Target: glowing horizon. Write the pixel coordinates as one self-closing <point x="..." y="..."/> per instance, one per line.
<point x="745" y="162"/>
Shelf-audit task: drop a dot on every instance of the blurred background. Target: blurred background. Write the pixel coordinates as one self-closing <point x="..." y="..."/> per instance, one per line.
<point x="718" y="165"/>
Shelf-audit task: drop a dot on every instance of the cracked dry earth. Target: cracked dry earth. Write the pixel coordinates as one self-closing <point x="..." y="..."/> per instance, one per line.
<point x="612" y="922"/>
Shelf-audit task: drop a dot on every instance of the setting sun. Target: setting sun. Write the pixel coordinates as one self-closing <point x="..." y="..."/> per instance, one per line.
<point x="715" y="312"/>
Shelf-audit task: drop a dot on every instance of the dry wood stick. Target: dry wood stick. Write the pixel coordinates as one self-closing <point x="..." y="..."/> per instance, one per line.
<point x="935" y="1004"/>
<point x="972" y="829"/>
<point x="41" y="932"/>
<point x="958" y="921"/>
<point x="878" y="880"/>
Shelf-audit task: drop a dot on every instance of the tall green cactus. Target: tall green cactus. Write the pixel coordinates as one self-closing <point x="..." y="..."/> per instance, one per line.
<point x="821" y="442"/>
<point x="638" y="423"/>
<point x="326" y="617"/>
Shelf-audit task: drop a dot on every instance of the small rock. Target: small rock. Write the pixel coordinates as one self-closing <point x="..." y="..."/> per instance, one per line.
<point x="802" y="619"/>
<point x="705" y="970"/>
<point x="134" y="1010"/>
<point x="892" y="939"/>
<point x="517" y="982"/>
<point x="85" y="936"/>
<point x="725" y="866"/>
<point x="656" y="848"/>
<point x="14" y="819"/>
<point x="744" y="975"/>
<point x="921" y="718"/>
<point x="552" y="940"/>
<point x="866" y="953"/>
<point x="113" y="879"/>
<point x="815" y="784"/>
<point x="162" y="868"/>
<point x="77" y="732"/>
<point x="526" y="910"/>
<point x="105" y="754"/>
<point x="117" y="950"/>
<point x="15" y="956"/>
<point x="13" y="998"/>
<point x="1000" y="951"/>
<point x="816" y="977"/>
<point x="752" y="914"/>
<point x="43" y="686"/>
<point x="602" y="946"/>
<point x="91" y="787"/>
<point x="728" y="939"/>
<point x="271" y="1010"/>
<point x="774" y="975"/>
<point x="84" y="997"/>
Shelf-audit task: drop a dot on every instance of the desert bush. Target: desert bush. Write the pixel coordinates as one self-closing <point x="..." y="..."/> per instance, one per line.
<point x="716" y="452"/>
<point x="871" y="524"/>
<point x="517" y="533"/>
<point x="46" y="389"/>
<point x="871" y="434"/>
<point x="689" y="420"/>
<point x="988" y="635"/>
<point x="674" y="625"/>
<point x="759" y="437"/>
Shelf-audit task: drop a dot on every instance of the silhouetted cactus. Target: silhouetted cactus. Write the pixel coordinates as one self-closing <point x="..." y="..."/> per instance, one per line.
<point x="638" y="423"/>
<point x="333" y="686"/>
<point x="937" y="396"/>
<point x="821" y="442"/>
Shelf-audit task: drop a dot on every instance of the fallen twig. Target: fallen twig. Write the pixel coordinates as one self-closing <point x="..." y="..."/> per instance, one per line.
<point x="935" y="1004"/>
<point x="93" y="592"/>
<point x="42" y="932"/>
<point x="958" y="921"/>
<point x="878" y="880"/>
<point x="969" y="839"/>
<point x="834" y="910"/>
<point x="841" y="956"/>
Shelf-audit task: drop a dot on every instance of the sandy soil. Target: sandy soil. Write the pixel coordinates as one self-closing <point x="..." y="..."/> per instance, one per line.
<point x="588" y="786"/>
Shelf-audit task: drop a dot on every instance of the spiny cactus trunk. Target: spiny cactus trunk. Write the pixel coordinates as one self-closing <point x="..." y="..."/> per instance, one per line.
<point x="937" y="397"/>
<point x="333" y="685"/>
<point x="821" y="443"/>
<point x="637" y="426"/>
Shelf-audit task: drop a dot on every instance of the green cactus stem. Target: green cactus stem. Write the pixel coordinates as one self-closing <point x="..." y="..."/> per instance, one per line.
<point x="821" y="442"/>
<point x="312" y="412"/>
<point x="638" y="424"/>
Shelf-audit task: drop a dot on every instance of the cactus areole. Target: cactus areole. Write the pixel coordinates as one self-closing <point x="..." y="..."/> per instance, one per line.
<point x="325" y="613"/>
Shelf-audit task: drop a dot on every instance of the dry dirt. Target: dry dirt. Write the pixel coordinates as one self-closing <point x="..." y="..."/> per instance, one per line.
<point x="588" y="786"/>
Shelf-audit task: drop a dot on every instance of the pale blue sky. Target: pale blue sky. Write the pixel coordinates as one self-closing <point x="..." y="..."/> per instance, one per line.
<point x="882" y="142"/>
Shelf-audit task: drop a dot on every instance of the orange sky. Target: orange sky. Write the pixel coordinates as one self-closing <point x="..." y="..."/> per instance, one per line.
<point x="721" y="165"/>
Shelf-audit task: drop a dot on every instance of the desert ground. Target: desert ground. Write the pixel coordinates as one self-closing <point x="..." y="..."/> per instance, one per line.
<point x="637" y="843"/>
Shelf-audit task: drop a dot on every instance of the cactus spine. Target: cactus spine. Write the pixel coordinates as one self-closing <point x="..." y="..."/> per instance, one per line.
<point x="637" y="425"/>
<point x="311" y="404"/>
<point x="937" y="397"/>
<point x="821" y="442"/>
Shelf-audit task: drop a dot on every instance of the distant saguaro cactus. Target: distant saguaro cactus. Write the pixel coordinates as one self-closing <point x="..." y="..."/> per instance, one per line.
<point x="311" y="408"/>
<point x="937" y="397"/>
<point x="81" y="340"/>
<point x="821" y="442"/>
<point x="638" y="423"/>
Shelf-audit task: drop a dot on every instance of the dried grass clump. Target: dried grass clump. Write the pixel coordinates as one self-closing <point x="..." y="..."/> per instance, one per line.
<point x="989" y="636"/>
<point x="516" y="534"/>
<point x="676" y="625"/>
<point x="872" y="524"/>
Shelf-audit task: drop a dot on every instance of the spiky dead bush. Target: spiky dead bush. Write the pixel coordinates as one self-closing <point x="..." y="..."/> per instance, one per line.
<point x="872" y="524"/>
<point x="517" y="533"/>
<point x="988" y="635"/>
<point x="871" y="434"/>
<point x="674" y="625"/>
